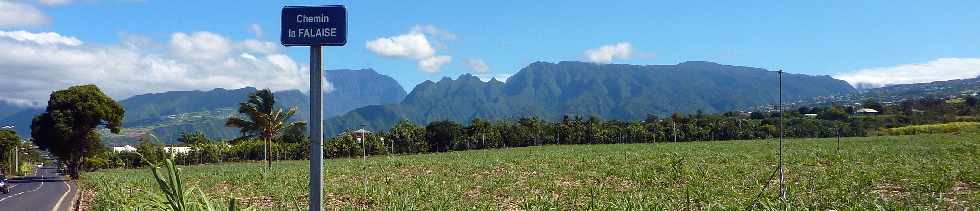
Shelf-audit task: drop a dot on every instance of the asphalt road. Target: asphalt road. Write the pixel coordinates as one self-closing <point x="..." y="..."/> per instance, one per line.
<point x="46" y="190"/>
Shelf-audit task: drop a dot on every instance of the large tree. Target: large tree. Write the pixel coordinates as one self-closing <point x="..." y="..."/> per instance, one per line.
<point x="262" y="120"/>
<point x="441" y="134"/>
<point x="67" y="128"/>
<point x="408" y="137"/>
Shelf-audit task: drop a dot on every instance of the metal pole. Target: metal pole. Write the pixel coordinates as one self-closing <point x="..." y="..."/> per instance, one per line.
<point x="16" y="161"/>
<point x="316" y="129"/>
<point x="782" y="186"/>
<point x="673" y="127"/>
<point x="364" y="157"/>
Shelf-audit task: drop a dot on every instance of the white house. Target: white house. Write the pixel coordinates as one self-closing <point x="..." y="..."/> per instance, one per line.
<point x="177" y="150"/>
<point x="126" y="148"/>
<point x="866" y="111"/>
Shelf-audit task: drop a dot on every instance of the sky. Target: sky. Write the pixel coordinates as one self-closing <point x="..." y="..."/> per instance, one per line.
<point x="131" y="47"/>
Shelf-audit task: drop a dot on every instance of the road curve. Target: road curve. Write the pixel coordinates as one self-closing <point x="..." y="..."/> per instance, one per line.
<point x="46" y="190"/>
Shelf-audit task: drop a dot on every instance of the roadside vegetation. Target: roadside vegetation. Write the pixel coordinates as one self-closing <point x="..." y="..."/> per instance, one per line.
<point x="934" y="128"/>
<point x="15" y="152"/>
<point x="938" y="171"/>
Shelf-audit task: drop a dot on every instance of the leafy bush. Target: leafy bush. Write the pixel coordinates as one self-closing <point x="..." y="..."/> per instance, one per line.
<point x="175" y="194"/>
<point x="934" y="128"/>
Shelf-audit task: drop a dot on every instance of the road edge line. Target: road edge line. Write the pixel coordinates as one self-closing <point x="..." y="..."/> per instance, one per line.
<point x="58" y="204"/>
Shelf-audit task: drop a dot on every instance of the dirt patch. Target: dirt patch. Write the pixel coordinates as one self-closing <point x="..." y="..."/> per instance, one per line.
<point x="474" y="192"/>
<point x="565" y="183"/>
<point x="223" y="187"/>
<point x="258" y="201"/>
<point x="85" y="199"/>
<point x="333" y="201"/>
<point x="890" y="191"/>
<point x="961" y="188"/>
<point x="510" y="204"/>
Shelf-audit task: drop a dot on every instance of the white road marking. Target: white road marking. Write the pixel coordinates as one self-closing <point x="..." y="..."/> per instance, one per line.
<point x="17" y="194"/>
<point x="58" y="205"/>
<point x="35" y="189"/>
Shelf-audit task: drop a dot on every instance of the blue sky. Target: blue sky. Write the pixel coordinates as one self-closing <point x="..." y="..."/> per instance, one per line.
<point x="859" y="41"/>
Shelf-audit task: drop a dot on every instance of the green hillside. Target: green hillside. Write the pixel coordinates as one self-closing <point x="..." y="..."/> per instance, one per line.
<point x="612" y="91"/>
<point x="168" y="114"/>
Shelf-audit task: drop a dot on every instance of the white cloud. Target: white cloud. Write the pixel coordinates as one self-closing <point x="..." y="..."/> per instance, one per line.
<point x="477" y="65"/>
<point x="327" y="86"/>
<point x="256" y="29"/>
<point x="414" y="45"/>
<point x="202" y="46"/>
<point x="47" y="38"/>
<point x="55" y="2"/>
<point x="936" y="70"/>
<point x="23" y="103"/>
<point x="15" y="14"/>
<point x="248" y="56"/>
<point x="435" y="32"/>
<point x="606" y="53"/>
<point x="137" y="41"/>
<point x="433" y="64"/>
<point x="30" y="71"/>
<point x="257" y="46"/>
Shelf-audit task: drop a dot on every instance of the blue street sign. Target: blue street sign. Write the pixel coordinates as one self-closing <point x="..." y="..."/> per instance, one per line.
<point x="314" y="25"/>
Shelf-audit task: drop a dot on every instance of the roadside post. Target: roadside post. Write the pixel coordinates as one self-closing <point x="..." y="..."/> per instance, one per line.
<point x="315" y="26"/>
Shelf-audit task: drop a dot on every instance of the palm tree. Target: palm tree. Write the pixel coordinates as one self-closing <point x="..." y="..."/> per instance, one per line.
<point x="262" y="120"/>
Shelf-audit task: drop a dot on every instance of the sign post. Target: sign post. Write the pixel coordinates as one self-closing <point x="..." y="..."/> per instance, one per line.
<point x="315" y="26"/>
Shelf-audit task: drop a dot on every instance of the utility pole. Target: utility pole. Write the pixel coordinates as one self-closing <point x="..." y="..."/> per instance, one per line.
<point x="364" y="156"/>
<point x="838" y="140"/>
<point x="654" y="133"/>
<point x="782" y="186"/>
<point x="16" y="160"/>
<point x="673" y="126"/>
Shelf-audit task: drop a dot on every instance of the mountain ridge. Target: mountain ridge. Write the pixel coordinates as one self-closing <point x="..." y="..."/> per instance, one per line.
<point x="612" y="91"/>
<point x="152" y="109"/>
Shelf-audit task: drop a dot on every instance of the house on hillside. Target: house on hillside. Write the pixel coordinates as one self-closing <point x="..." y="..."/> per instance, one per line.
<point x="126" y="148"/>
<point x="866" y="111"/>
<point x="177" y="150"/>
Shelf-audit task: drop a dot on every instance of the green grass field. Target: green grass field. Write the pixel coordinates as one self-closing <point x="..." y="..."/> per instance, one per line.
<point x="926" y="171"/>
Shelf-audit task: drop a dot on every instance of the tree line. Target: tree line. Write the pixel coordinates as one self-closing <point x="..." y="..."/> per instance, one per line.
<point x="441" y="136"/>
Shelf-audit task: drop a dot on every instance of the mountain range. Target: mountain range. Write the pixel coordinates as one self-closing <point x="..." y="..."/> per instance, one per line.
<point x="897" y="93"/>
<point x="168" y="114"/>
<point x="7" y="109"/>
<point x="609" y="91"/>
<point x="969" y="86"/>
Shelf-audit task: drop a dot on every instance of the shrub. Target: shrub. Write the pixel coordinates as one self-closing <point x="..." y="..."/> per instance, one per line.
<point x="934" y="128"/>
